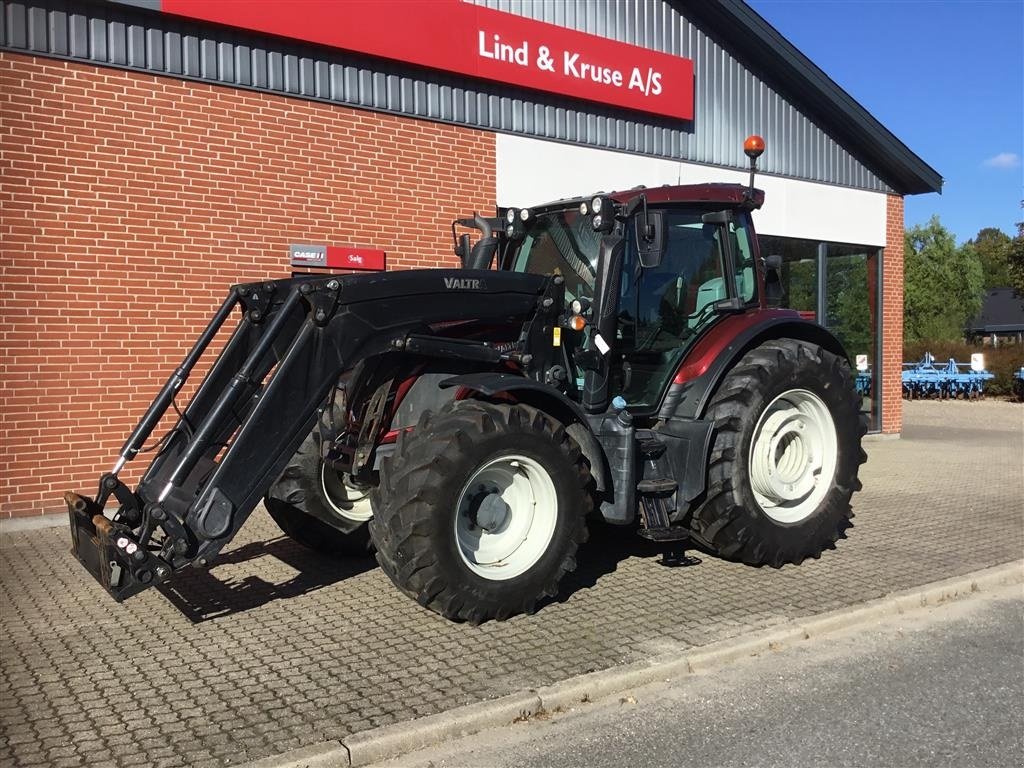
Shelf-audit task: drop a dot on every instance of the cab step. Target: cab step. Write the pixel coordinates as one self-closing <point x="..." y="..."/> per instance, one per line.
<point x="658" y="486"/>
<point x="650" y="448"/>
<point x="655" y="508"/>
<point x="670" y="533"/>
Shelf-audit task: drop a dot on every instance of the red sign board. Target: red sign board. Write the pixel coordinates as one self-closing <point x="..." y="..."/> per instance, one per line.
<point x="457" y="36"/>
<point x="337" y="257"/>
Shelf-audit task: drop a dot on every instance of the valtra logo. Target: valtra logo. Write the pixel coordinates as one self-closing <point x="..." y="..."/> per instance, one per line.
<point x="464" y="284"/>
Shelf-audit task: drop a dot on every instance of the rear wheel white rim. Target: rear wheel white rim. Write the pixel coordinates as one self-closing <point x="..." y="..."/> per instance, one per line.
<point x="505" y="517"/>
<point x="346" y="502"/>
<point x="793" y="455"/>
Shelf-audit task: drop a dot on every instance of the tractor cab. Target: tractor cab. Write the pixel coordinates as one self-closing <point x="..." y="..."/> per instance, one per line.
<point x="648" y="271"/>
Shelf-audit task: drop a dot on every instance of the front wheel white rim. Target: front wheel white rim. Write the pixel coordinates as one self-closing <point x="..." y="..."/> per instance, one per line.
<point x="348" y="503"/>
<point x="505" y="517"/>
<point x="793" y="456"/>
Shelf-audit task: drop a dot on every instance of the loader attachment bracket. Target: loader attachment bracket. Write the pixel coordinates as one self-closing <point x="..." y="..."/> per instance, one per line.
<point x="130" y="510"/>
<point x="110" y="552"/>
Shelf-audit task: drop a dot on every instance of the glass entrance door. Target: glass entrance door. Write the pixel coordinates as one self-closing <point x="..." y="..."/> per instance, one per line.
<point x="851" y="313"/>
<point x="836" y="285"/>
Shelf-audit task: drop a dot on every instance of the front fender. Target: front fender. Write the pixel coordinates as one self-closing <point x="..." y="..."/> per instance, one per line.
<point x="547" y="399"/>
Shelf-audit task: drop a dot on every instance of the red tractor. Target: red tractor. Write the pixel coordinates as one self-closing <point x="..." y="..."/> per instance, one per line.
<point x="618" y="357"/>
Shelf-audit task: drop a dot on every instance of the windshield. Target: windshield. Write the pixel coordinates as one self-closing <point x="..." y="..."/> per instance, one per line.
<point x="561" y="243"/>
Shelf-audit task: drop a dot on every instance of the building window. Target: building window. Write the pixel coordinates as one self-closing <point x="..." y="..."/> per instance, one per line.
<point x="836" y="284"/>
<point x="799" y="273"/>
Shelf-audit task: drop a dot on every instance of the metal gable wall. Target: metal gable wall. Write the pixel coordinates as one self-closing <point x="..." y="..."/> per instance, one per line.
<point x="730" y="101"/>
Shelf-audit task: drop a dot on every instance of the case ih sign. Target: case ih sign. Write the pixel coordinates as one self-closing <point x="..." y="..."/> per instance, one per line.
<point x="336" y="257"/>
<point x="467" y="39"/>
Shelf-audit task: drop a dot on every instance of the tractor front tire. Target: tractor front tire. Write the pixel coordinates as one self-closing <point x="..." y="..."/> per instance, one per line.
<point x="481" y="509"/>
<point x="309" y="491"/>
<point x="785" y="456"/>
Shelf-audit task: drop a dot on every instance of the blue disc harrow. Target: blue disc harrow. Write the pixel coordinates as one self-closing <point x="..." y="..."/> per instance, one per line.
<point x="952" y="380"/>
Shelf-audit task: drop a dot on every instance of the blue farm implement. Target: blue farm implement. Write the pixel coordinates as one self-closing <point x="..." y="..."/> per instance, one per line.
<point x="952" y="380"/>
<point x="863" y="383"/>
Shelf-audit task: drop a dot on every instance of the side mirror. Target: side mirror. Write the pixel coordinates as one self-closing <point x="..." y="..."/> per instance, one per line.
<point x="650" y="237"/>
<point x="719" y="217"/>
<point x="773" y="280"/>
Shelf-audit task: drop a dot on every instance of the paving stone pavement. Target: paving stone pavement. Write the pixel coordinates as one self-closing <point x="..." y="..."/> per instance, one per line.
<point x="275" y="648"/>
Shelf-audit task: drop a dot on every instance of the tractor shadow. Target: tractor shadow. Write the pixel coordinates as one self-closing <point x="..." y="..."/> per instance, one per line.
<point x="610" y="545"/>
<point x="203" y="595"/>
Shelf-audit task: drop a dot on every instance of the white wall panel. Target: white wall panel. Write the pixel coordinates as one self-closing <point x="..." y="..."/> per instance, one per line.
<point x="532" y="171"/>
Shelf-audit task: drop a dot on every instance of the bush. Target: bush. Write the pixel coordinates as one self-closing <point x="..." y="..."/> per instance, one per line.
<point x="1003" y="361"/>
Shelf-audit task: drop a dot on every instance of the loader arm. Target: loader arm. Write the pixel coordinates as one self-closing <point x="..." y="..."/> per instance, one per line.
<point x="260" y="397"/>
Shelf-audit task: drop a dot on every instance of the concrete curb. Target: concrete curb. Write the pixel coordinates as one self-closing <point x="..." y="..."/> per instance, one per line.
<point x="875" y="437"/>
<point x="377" y="744"/>
<point x="392" y="740"/>
<point x="34" y="523"/>
<point x="607" y="682"/>
<point x="327" y="754"/>
<point x="752" y="644"/>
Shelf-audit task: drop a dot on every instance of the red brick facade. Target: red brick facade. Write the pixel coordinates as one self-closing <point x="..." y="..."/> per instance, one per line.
<point x="892" y="317"/>
<point x="129" y="204"/>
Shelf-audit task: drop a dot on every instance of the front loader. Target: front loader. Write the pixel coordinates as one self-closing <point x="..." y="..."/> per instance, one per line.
<point x="619" y="357"/>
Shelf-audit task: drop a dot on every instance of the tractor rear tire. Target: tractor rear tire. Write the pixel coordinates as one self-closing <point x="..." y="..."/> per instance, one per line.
<point x="785" y="456"/>
<point x="481" y="509"/>
<point x="309" y="491"/>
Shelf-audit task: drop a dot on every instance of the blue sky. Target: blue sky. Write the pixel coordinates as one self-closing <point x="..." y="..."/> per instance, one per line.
<point x="946" y="76"/>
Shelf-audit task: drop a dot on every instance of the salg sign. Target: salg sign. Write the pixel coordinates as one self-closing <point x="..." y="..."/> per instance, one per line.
<point x="457" y="36"/>
<point x="336" y="257"/>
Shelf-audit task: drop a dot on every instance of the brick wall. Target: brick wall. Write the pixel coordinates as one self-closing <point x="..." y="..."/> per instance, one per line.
<point x="130" y="202"/>
<point x="892" y="317"/>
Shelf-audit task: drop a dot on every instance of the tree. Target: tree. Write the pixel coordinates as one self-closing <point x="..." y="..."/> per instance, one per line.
<point x="1015" y="258"/>
<point x="993" y="249"/>
<point x="943" y="284"/>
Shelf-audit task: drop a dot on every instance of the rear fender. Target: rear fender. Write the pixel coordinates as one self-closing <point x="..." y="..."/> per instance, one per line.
<point x="699" y="376"/>
<point x="703" y="369"/>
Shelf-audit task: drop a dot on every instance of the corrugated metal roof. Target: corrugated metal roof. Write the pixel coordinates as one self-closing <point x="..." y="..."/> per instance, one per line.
<point x="731" y="101"/>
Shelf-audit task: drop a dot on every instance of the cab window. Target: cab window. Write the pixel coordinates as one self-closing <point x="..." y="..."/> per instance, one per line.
<point x="561" y="243"/>
<point x="662" y="309"/>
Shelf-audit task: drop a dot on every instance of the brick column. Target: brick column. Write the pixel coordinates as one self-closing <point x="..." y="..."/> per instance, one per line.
<point x="892" y="317"/>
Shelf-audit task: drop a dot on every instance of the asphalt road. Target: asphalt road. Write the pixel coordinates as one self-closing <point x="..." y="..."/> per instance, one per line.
<point x="944" y="687"/>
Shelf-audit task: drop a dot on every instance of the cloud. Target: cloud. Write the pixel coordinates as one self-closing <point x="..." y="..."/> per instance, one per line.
<point x="1003" y="160"/>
